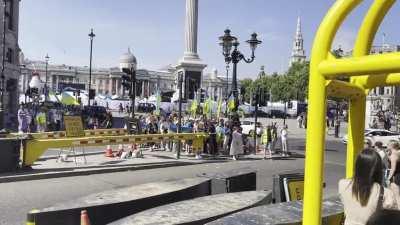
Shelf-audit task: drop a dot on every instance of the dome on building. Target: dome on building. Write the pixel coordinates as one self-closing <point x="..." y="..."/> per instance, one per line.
<point x="127" y="60"/>
<point x="128" y="57"/>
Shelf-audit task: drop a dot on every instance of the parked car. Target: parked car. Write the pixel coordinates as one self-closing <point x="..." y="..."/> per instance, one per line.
<point x="374" y="135"/>
<point x="248" y="127"/>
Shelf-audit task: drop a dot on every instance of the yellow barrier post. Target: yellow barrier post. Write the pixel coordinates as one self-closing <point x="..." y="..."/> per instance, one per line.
<point x="315" y="143"/>
<point x="357" y="111"/>
<point x="380" y="69"/>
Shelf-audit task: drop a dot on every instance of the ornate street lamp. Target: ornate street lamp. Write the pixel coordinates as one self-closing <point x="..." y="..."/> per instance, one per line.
<point x="227" y="41"/>
<point x="46" y="89"/>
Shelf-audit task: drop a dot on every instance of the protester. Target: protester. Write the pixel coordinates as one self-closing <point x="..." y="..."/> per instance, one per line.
<point x="284" y="140"/>
<point x="228" y="137"/>
<point x="274" y="136"/>
<point x="220" y="130"/>
<point x="299" y="121"/>
<point x="382" y="153"/>
<point x="152" y="129"/>
<point x="23" y="119"/>
<point x="41" y="121"/>
<point x="363" y="194"/>
<point x="237" y="144"/>
<point x="267" y="141"/>
<point x="212" y="139"/>
<point x="394" y="151"/>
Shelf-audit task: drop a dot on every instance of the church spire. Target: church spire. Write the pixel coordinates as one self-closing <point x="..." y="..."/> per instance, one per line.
<point x="298" y="53"/>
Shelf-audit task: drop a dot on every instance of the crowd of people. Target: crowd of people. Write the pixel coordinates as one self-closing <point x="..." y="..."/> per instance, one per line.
<point x="222" y="137"/>
<point x="44" y="118"/>
<point x="372" y="196"/>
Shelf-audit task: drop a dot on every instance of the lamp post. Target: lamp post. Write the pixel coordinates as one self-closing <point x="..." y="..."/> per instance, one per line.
<point x="2" y="84"/>
<point x="46" y="89"/>
<point x="227" y="89"/>
<point x="227" y="42"/>
<point x="91" y="36"/>
<point x="180" y="81"/>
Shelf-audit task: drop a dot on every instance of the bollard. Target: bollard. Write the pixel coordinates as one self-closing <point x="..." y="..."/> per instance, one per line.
<point x="30" y="220"/>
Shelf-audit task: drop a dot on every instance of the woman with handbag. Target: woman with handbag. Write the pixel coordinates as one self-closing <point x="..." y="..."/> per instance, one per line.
<point x="364" y="194"/>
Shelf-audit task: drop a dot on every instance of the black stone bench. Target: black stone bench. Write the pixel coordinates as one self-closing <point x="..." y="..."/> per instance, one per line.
<point x="112" y="205"/>
<point x="199" y="210"/>
<point x="237" y="180"/>
<point x="288" y="213"/>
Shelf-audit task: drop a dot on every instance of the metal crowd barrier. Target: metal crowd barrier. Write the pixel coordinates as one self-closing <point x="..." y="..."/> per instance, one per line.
<point x="36" y="145"/>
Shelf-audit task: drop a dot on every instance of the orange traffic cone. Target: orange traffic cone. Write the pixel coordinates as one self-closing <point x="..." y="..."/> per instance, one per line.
<point x="84" y="218"/>
<point x="108" y="152"/>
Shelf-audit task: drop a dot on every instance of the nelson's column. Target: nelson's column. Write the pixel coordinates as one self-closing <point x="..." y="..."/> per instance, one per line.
<point x="190" y="66"/>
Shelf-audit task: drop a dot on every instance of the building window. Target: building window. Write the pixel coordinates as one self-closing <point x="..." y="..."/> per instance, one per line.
<point x="10" y="14"/>
<point x="9" y="55"/>
<point x="381" y="90"/>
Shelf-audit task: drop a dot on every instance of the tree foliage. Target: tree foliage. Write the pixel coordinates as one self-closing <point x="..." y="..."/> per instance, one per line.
<point x="293" y="85"/>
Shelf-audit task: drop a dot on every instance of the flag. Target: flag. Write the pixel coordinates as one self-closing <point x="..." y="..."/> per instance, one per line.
<point x="193" y="107"/>
<point x="219" y="107"/>
<point x="158" y="104"/>
<point x="208" y="107"/>
<point x="231" y="102"/>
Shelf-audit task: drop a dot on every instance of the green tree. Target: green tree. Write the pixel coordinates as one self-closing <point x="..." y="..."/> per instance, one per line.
<point x="246" y="87"/>
<point x="298" y="76"/>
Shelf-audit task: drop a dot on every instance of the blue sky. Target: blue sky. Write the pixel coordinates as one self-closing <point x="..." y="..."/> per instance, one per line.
<point x="154" y="29"/>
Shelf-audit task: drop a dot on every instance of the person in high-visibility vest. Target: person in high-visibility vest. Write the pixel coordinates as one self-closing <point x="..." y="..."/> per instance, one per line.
<point x="41" y="121"/>
<point x="266" y="140"/>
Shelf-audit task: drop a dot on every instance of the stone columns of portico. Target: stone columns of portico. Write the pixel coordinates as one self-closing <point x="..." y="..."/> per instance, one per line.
<point x="57" y="80"/>
<point x="110" y="86"/>
<point x="148" y="88"/>
<point x="191" y="29"/>
<point x="142" y="89"/>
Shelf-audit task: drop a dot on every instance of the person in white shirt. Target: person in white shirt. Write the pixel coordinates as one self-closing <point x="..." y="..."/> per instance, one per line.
<point x="284" y="139"/>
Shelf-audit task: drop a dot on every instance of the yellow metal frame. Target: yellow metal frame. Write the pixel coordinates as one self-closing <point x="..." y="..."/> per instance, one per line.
<point x="365" y="72"/>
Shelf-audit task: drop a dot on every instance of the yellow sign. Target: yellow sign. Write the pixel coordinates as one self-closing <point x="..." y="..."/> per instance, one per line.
<point x="294" y="189"/>
<point x="73" y="126"/>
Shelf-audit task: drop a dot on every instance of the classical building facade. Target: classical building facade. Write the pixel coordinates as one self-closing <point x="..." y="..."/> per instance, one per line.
<point x="11" y="66"/>
<point x="108" y="81"/>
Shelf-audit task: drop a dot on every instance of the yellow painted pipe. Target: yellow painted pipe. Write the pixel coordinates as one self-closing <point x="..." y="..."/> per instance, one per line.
<point x="362" y="47"/>
<point x="342" y="89"/>
<point x="61" y="134"/>
<point x="369" y="82"/>
<point x="371" y="64"/>
<point x="36" y="147"/>
<point x="315" y="143"/>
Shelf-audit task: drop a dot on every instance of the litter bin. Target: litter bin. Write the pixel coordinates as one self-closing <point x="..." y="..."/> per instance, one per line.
<point x="9" y="154"/>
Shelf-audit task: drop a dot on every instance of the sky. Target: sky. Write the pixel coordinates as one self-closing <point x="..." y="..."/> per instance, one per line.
<point x="154" y="30"/>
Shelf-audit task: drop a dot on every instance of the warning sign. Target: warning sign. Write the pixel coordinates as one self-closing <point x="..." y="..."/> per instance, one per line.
<point x="295" y="189"/>
<point x="73" y="126"/>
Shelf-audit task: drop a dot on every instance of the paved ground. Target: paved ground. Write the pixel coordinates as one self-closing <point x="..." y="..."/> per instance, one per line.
<point x="17" y="198"/>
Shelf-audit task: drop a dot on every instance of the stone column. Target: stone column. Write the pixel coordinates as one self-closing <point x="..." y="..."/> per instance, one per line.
<point x="191" y="30"/>
<point x="57" y="80"/>
<point x="110" y="86"/>
<point x="148" y="88"/>
<point x="143" y="89"/>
